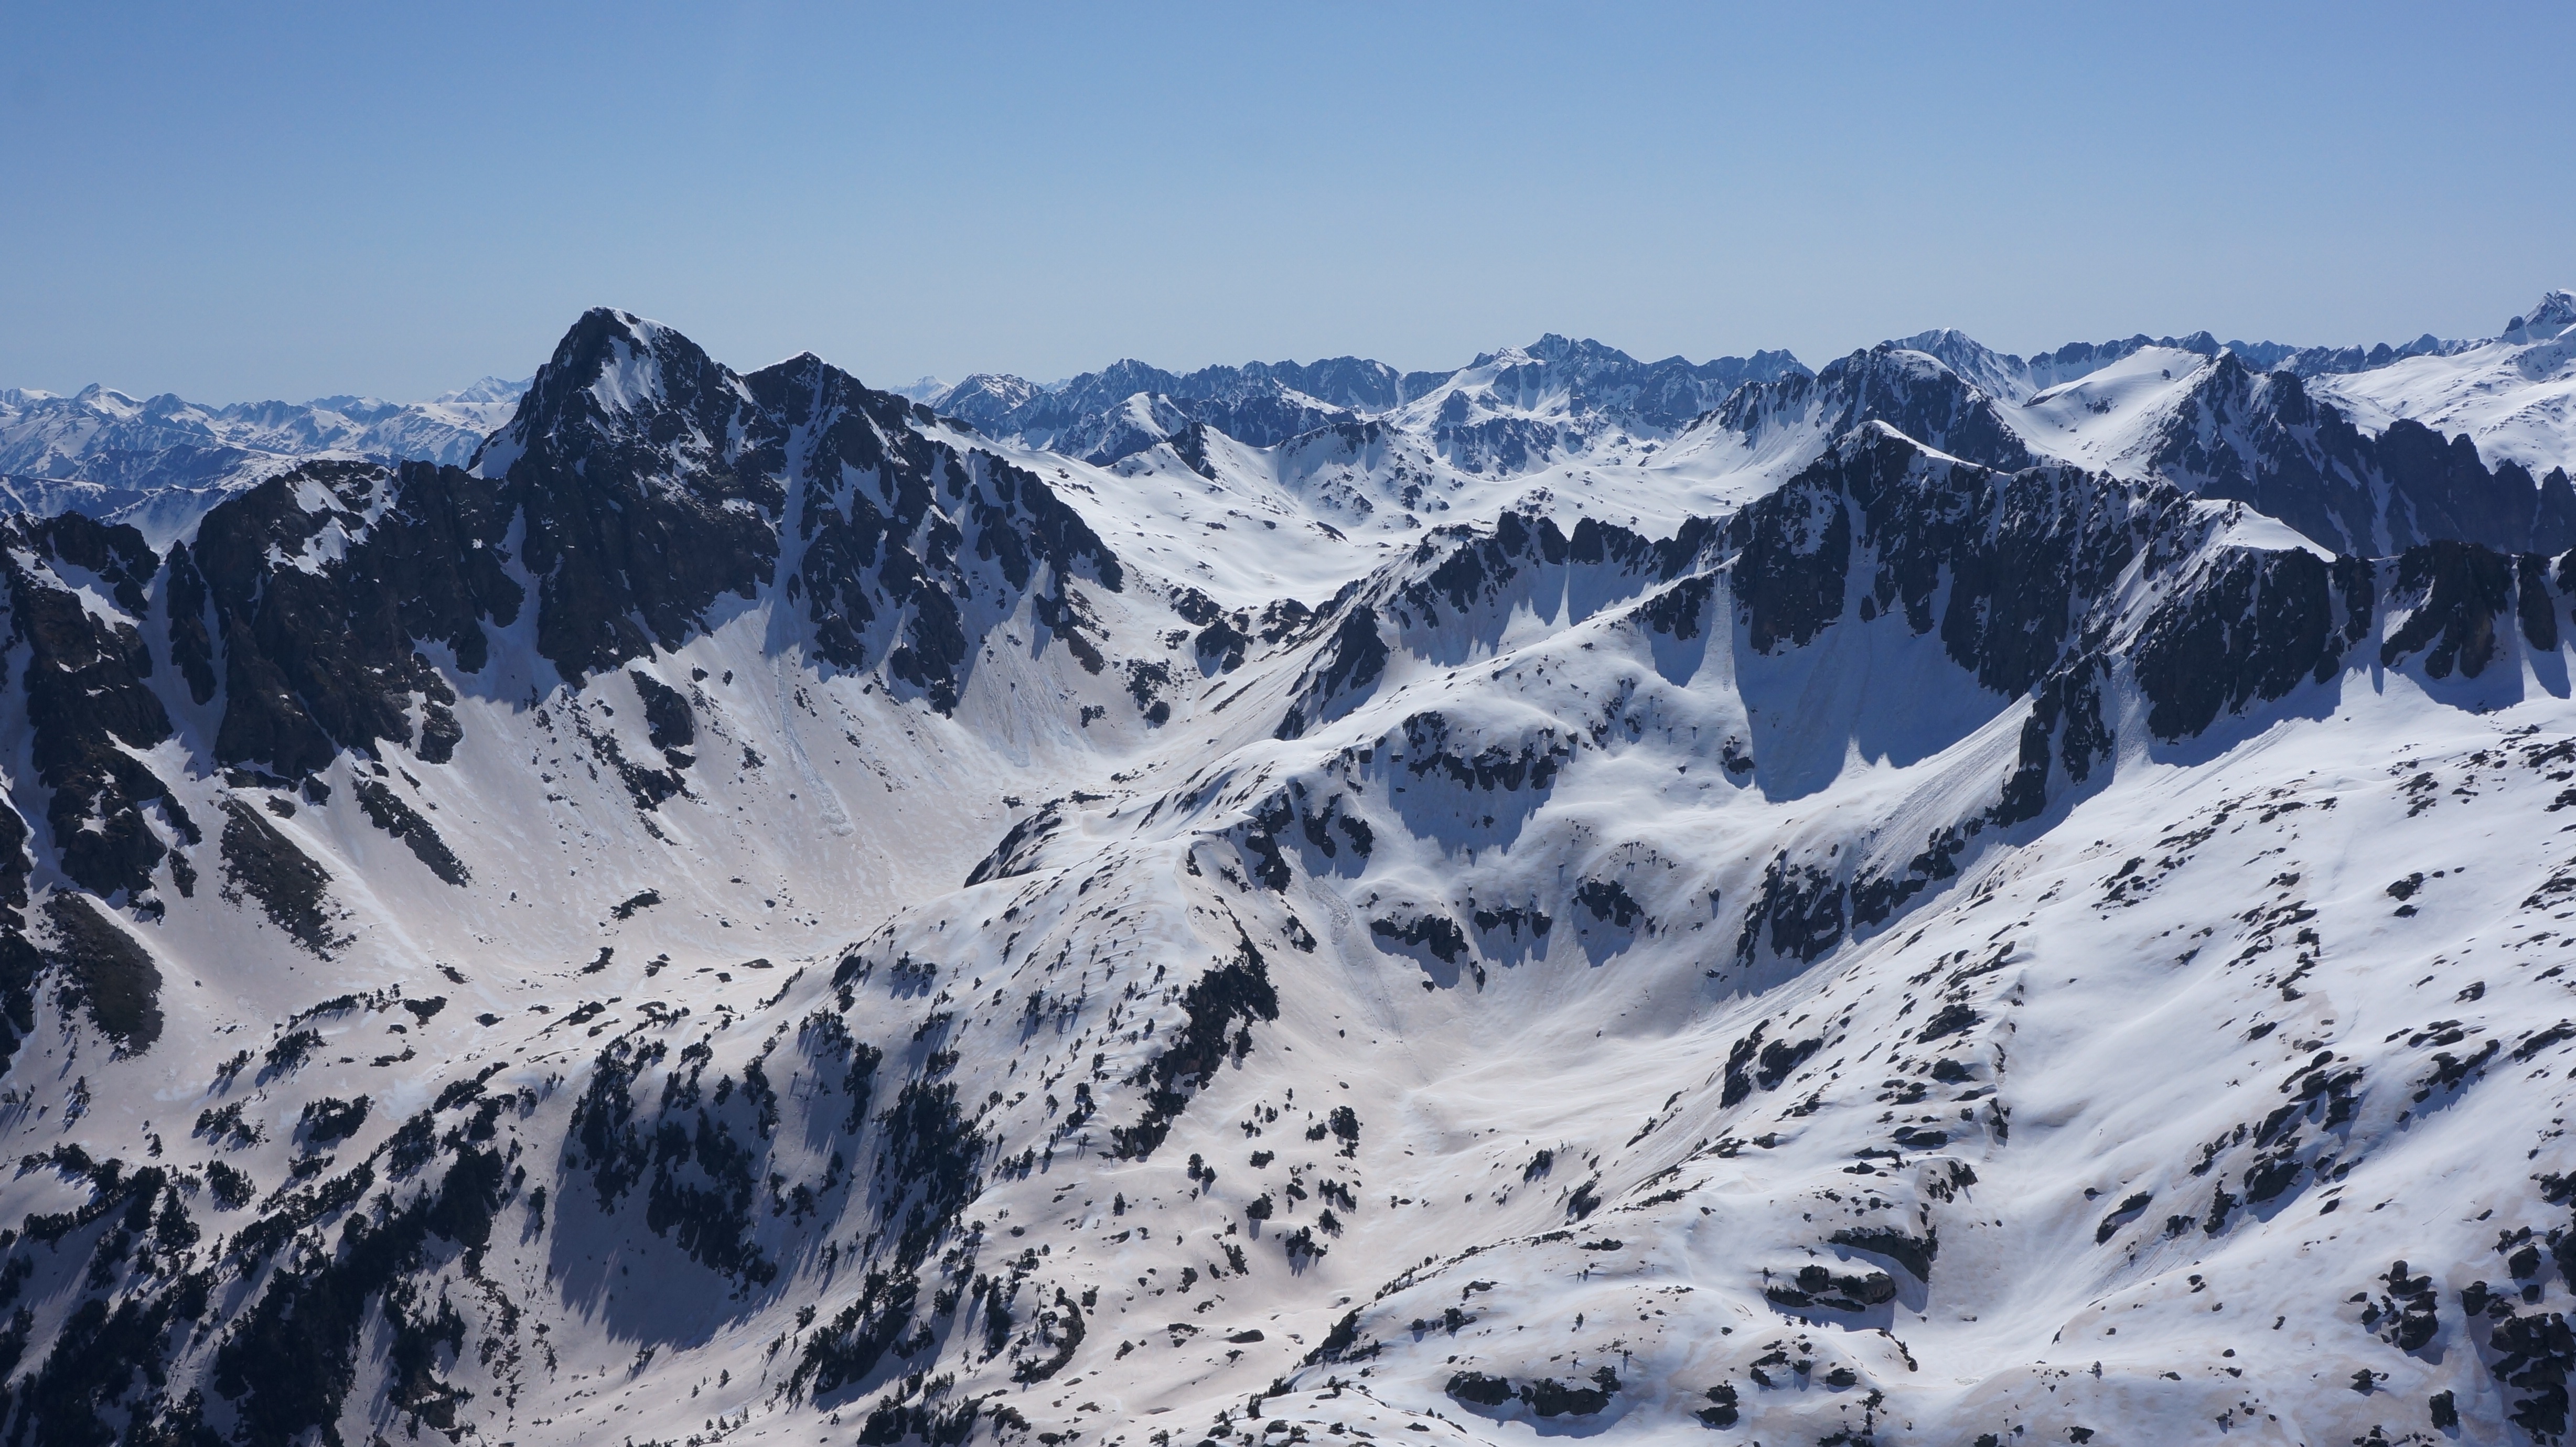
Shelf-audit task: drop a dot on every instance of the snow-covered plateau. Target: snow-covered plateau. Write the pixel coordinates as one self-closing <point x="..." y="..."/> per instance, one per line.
<point x="1948" y="898"/>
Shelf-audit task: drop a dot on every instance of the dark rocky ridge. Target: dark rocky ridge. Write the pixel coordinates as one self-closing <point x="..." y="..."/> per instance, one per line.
<point x="2017" y="378"/>
<point x="2239" y="434"/>
<point x="88" y="701"/>
<point x="1911" y="391"/>
<point x="338" y="608"/>
<point x="2017" y="571"/>
<point x="1128" y="407"/>
<point x="2261" y="439"/>
<point x="641" y="514"/>
<point x="2022" y="576"/>
<point x="2026" y="567"/>
<point x="2025" y="554"/>
<point x="890" y="573"/>
<point x="314" y="662"/>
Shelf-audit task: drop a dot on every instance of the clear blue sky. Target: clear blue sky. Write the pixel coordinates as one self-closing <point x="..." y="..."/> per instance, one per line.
<point x="246" y="201"/>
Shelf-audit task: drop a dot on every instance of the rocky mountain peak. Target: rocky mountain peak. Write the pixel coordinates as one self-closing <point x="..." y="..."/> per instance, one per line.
<point x="2265" y="439"/>
<point x="1915" y="392"/>
<point x="618" y="374"/>
<point x="2556" y="311"/>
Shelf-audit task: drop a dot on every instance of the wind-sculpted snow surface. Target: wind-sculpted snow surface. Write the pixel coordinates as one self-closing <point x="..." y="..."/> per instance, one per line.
<point x="757" y="912"/>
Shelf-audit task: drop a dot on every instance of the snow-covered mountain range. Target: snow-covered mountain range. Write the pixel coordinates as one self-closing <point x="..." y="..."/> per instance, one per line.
<point x="1945" y="898"/>
<point x="160" y="462"/>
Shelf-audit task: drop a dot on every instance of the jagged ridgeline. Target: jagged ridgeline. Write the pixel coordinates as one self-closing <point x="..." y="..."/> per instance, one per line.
<point x="755" y="910"/>
<point x="335" y="612"/>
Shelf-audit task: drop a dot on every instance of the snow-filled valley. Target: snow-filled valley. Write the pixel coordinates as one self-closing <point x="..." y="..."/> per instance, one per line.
<point x="1945" y="898"/>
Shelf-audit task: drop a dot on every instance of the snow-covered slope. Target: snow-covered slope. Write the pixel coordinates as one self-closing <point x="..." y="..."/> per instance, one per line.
<point x="1574" y="429"/>
<point x="2514" y="395"/>
<point x="755" y="913"/>
<point x="2015" y="379"/>
<point x="2217" y="428"/>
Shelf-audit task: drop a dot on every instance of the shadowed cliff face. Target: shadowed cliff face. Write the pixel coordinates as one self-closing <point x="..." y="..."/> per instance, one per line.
<point x="87" y="697"/>
<point x="2264" y="441"/>
<point x="643" y="484"/>
<point x="306" y="604"/>
<point x="339" y="608"/>
<point x="654" y="481"/>
<point x="1909" y="391"/>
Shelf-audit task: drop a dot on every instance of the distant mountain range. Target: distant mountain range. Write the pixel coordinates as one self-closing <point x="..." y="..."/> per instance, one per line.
<point x="1519" y="411"/>
<point x="161" y="460"/>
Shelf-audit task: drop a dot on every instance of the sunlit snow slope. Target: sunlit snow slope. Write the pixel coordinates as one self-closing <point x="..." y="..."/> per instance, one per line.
<point x="2513" y="394"/>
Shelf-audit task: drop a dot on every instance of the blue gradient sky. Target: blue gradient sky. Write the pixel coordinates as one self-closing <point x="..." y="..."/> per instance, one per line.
<point x="288" y="201"/>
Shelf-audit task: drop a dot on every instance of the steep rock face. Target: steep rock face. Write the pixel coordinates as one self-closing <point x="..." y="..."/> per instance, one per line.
<point x="1482" y="576"/>
<point x="2264" y="440"/>
<point x="899" y="537"/>
<point x="1913" y="392"/>
<point x="2014" y="559"/>
<point x="1458" y="592"/>
<point x="316" y="592"/>
<point x="624" y="457"/>
<point x="2032" y="571"/>
<point x="700" y="467"/>
<point x="2257" y="625"/>
<point x="2047" y="584"/>
<point x="640" y="483"/>
<point x="84" y="677"/>
<point x="336" y="609"/>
